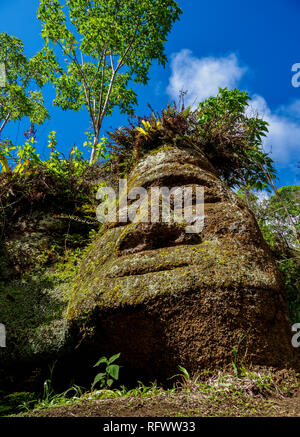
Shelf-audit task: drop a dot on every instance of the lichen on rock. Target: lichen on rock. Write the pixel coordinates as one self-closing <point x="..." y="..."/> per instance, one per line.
<point x="163" y="298"/>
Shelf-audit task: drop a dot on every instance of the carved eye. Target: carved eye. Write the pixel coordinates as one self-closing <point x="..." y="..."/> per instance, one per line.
<point x="153" y="236"/>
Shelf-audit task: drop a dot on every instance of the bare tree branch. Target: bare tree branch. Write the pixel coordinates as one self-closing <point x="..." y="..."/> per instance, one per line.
<point x="5" y="122"/>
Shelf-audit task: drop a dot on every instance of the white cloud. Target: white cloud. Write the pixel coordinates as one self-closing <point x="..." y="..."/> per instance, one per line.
<point x="293" y="110"/>
<point x="202" y="77"/>
<point x="283" y="140"/>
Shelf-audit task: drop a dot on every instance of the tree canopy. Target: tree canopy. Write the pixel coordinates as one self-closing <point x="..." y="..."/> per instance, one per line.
<point x="101" y="47"/>
<point x="20" y="96"/>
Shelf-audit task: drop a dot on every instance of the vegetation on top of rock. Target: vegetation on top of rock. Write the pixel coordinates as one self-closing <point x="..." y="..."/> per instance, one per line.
<point x="62" y="186"/>
<point x="220" y="127"/>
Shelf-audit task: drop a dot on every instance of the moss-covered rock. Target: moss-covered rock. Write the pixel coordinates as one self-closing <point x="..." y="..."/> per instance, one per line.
<point x="162" y="297"/>
<point x="35" y="276"/>
<point x="150" y="290"/>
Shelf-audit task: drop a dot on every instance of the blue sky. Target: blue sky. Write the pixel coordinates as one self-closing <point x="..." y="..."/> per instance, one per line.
<point x="251" y="45"/>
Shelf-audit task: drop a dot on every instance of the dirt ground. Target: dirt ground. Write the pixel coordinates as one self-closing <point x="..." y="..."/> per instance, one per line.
<point x="178" y="405"/>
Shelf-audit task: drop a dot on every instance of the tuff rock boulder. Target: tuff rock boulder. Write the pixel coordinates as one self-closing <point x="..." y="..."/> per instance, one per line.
<point x="163" y="297"/>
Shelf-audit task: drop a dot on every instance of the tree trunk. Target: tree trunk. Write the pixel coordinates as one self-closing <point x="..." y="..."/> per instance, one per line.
<point x="93" y="152"/>
<point x="4" y="122"/>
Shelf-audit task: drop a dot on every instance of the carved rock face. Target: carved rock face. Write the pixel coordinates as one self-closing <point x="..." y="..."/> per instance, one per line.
<point x="163" y="297"/>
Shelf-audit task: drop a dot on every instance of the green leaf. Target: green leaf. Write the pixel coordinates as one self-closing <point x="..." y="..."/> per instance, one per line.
<point x="109" y="382"/>
<point x="20" y="97"/>
<point x="100" y="361"/>
<point x="99" y="377"/>
<point x="184" y="371"/>
<point x="113" y="358"/>
<point x="4" y="164"/>
<point x="113" y="370"/>
<point x="132" y="32"/>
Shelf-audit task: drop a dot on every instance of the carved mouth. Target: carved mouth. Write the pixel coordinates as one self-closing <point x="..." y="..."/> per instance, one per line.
<point x="141" y="272"/>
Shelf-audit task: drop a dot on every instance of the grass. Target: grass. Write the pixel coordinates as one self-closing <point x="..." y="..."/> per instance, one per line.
<point x="251" y="393"/>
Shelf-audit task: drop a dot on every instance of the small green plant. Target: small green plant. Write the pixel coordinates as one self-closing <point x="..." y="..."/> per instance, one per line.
<point x="234" y="362"/>
<point x="187" y="381"/>
<point x="184" y="374"/>
<point x="144" y="390"/>
<point x="50" y="398"/>
<point x="70" y="395"/>
<point x="48" y="388"/>
<point x="111" y="373"/>
<point x="15" y="402"/>
<point x="25" y="155"/>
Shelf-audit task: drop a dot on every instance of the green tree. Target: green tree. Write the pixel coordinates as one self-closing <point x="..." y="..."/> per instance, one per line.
<point x="282" y="214"/>
<point x="104" y="45"/>
<point x="277" y="218"/>
<point x="20" y="96"/>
